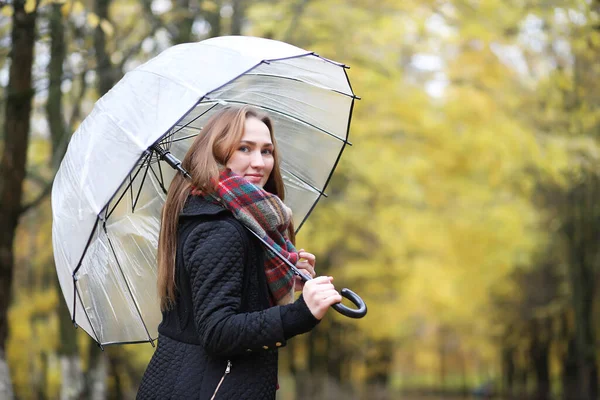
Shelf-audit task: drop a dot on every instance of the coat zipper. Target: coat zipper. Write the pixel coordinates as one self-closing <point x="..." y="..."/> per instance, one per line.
<point x="227" y="371"/>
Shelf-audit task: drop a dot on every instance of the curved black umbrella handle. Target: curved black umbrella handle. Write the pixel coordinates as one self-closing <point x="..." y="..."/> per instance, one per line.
<point x="358" y="312"/>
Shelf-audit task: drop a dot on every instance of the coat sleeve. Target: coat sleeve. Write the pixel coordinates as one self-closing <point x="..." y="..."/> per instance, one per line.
<point x="214" y="255"/>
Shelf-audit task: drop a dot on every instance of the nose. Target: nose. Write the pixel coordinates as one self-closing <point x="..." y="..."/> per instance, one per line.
<point x="257" y="160"/>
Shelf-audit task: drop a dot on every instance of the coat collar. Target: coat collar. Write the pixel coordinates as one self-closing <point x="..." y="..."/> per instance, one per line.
<point x="196" y="205"/>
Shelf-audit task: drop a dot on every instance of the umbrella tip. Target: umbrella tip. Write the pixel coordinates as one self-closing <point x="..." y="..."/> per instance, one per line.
<point x="184" y="172"/>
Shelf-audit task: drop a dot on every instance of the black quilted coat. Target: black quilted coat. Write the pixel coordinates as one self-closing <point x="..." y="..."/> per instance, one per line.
<point x="221" y="337"/>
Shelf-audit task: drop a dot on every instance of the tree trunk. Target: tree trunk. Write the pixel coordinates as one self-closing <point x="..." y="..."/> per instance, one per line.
<point x="442" y="351"/>
<point x="379" y="362"/>
<point x="508" y="371"/>
<point x="104" y="67"/>
<point x="71" y="373"/>
<point x="13" y="164"/>
<point x="310" y="382"/>
<point x="335" y="348"/>
<point x="72" y="380"/>
<point x="95" y="380"/>
<point x="301" y="375"/>
<point x="237" y="19"/>
<point x="54" y="110"/>
<point x="463" y="373"/>
<point x="214" y="20"/>
<point x="114" y="366"/>
<point x="583" y="217"/>
<point x="570" y="372"/>
<point x="522" y="378"/>
<point x="582" y="235"/>
<point x="539" y="353"/>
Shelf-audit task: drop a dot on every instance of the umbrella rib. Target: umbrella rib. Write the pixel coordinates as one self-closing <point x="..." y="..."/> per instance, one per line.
<point x="287" y="116"/>
<point x="160" y="183"/>
<point x="74" y="300"/>
<point x="137" y="198"/>
<point x="126" y="283"/>
<point x="303" y="181"/>
<point x="351" y="89"/>
<point x="76" y="293"/>
<point x="188" y="136"/>
<point x="86" y="315"/>
<point x="302" y="81"/>
<point x="162" y="179"/>
<point x="151" y="341"/>
<point x="183" y="126"/>
<point x="129" y="187"/>
<point x="334" y="166"/>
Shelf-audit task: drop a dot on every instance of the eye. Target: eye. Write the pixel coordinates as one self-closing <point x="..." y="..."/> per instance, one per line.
<point x="244" y="149"/>
<point x="267" y="152"/>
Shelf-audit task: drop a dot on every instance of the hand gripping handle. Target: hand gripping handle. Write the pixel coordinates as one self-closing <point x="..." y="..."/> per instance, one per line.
<point x="358" y="312"/>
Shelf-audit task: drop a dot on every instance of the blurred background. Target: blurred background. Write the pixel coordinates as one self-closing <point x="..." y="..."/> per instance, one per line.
<point x="466" y="212"/>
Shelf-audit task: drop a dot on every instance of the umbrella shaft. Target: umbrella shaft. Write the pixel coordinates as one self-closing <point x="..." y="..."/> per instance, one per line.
<point x="170" y="159"/>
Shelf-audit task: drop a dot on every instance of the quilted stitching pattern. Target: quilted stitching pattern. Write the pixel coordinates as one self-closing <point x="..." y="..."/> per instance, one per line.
<point x="226" y="295"/>
<point x="216" y="273"/>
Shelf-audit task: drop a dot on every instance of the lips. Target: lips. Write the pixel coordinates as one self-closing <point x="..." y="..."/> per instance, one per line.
<point x="253" y="178"/>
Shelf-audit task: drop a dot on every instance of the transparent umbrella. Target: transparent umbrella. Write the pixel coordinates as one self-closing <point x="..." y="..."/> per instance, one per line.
<point x="112" y="183"/>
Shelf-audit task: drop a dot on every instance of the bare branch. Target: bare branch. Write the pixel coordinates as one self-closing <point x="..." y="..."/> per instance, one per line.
<point x="38" y="179"/>
<point x="133" y="50"/>
<point x="41" y="196"/>
<point x="77" y="108"/>
<point x="239" y="14"/>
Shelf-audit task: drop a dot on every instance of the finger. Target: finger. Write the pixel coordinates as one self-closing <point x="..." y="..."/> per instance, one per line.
<point x="306" y="267"/>
<point x="328" y="293"/>
<point x="320" y="280"/>
<point x="316" y="291"/>
<point x="306" y="254"/>
<point x="311" y="258"/>
<point x="333" y="300"/>
<point x="331" y="293"/>
<point x="309" y="271"/>
<point x="323" y="287"/>
<point x="321" y="290"/>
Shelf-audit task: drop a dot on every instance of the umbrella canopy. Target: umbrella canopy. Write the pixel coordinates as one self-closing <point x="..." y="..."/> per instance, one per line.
<point x="111" y="185"/>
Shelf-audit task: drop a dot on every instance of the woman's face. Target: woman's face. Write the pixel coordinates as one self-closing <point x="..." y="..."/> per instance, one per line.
<point x="253" y="157"/>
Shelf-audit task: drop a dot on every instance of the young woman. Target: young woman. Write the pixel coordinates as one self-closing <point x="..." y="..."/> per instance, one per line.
<point x="227" y="303"/>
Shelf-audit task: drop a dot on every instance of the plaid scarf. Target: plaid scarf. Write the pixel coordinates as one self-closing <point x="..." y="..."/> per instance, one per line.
<point x="266" y="215"/>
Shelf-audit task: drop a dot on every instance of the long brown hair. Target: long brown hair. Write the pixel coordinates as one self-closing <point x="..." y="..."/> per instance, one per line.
<point x="209" y="152"/>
